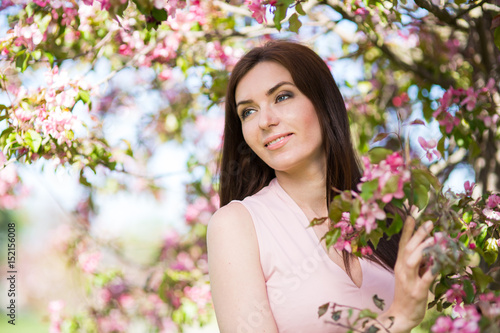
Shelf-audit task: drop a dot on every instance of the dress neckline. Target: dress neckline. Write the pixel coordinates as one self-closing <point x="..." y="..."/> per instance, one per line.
<point x="280" y="191"/>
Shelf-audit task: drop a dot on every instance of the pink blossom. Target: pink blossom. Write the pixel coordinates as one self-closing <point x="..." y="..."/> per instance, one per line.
<point x="30" y="36"/>
<point x="55" y="309"/>
<point x="493" y="201"/>
<point x="41" y="3"/>
<point x="200" y="211"/>
<point x="395" y="161"/>
<point x="469" y="187"/>
<point x="442" y="325"/>
<point x="453" y="45"/>
<point x="126" y="300"/>
<point x="184" y="262"/>
<point x="470" y="100"/>
<point x="9" y="185"/>
<point x="171" y="238"/>
<point x="199" y="294"/>
<point x="370" y="212"/>
<point x="165" y="74"/>
<point x="258" y="10"/>
<point x="168" y="326"/>
<point x="467" y="322"/>
<point x="89" y="261"/>
<point x="366" y="251"/>
<point x="490" y="86"/>
<point x="113" y="322"/>
<point x="6" y="3"/>
<point x="468" y="319"/>
<point x="455" y="293"/>
<point x="429" y="147"/>
<point x="343" y="245"/>
<point x="361" y="12"/>
<point x="491" y="214"/>
<point x="449" y="122"/>
<point x="105" y="296"/>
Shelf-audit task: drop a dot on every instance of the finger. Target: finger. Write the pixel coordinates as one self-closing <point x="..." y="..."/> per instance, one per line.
<point x="427" y="279"/>
<point x="419" y="236"/>
<point x="416" y="257"/>
<point x="408" y="228"/>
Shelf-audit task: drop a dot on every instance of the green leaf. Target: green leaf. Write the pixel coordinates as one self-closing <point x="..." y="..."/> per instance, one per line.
<point x="372" y="329"/>
<point x="336" y="315"/>
<point x="299" y="9"/>
<point x="378" y="154"/>
<point x="368" y="188"/>
<point x="366" y="313"/>
<point x="482" y="280"/>
<point x="322" y="309"/>
<point x="159" y="14"/>
<point x="467" y="217"/>
<point x="25" y="63"/>
<point x="421" y="196"/>
<point x="440" y="145"/>
<point x="295" y="23"/>
<point x="391" y="186"/>
<point x="279" y="15"/>
<point x="332" y="236"/>
<point x="20" y="57"/>
<point x="33" y="139"/>
<point x="491" y="251"/>
<point x="317" y="221"/>
<point x="84" y="96"/>
<point x="380" y="137"/>
<point x="335" y="213"/>
<point x="379" y="303"/>
<point x="121" y="8"/>
<point x="50" y="57"/>
<point x="496" y="37"/>
<point x="396" y="225"/>
<point x="375" y="236"/>
<point x="83" y="180"/>
<point x="469" y="292"/>
<point x="482" y="235"/>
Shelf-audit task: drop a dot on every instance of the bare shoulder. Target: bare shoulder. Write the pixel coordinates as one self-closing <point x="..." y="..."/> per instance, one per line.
<point x="232" y="221"/>
<point x="234" y="261"/>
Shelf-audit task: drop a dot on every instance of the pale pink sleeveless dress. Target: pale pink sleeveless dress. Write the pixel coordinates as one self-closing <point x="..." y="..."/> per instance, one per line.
<point x="299" y="275"/>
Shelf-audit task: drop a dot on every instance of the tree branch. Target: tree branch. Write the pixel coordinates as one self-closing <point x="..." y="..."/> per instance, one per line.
<point x="415" y="68"/>
<point x="442" y="14"/>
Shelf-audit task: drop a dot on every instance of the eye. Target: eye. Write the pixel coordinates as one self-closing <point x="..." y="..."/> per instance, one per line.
<point x="246" y="112"/>
<point x="283" y="96"/>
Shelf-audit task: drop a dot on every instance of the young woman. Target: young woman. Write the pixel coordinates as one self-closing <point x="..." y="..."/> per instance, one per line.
<point x="286" y="147"/>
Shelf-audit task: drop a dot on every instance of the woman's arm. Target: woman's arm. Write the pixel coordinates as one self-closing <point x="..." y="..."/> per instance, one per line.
<point x="411" y="285"/>
<point x="237" y="281"/>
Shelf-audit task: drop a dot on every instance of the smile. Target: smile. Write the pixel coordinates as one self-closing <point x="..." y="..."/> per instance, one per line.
<point x="278" y="142"/>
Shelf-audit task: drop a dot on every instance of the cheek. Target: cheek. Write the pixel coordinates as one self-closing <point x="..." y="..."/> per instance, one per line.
<point x="249" y="136"/>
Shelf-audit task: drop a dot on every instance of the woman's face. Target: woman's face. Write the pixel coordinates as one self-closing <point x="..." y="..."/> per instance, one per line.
<point x="278" y="121"/>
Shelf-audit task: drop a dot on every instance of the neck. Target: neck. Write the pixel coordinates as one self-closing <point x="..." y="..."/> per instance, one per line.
<point x="307" y="189"/>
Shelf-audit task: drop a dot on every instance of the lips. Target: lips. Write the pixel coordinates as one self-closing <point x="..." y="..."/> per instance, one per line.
<point x="277" y="141"/>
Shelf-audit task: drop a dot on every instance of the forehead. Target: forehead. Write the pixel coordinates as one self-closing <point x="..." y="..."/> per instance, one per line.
<point x="260" y="79"/>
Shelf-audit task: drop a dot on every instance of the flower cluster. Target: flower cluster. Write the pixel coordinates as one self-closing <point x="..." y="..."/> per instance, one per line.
<point x="46" y="111"/>
<point x="448" y="114"/>
<point x="466" y="322"/>
<point x="359" y="216"/>
<point x="11" y="190"/>
<point x="258" y="9"/>
<point x="430" y="148"/>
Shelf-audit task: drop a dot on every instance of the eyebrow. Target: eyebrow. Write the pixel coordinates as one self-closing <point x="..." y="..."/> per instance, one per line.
<point x="269" y="92"/>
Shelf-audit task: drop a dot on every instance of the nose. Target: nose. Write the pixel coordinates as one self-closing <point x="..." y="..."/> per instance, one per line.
<point x="268" y="117"/>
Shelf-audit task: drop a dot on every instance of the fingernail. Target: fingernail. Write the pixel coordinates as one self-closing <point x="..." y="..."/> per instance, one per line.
<point x="428" y="225"/>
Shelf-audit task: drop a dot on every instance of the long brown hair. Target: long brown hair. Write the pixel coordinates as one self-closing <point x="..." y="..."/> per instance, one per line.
<point x="243" y="173"/>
